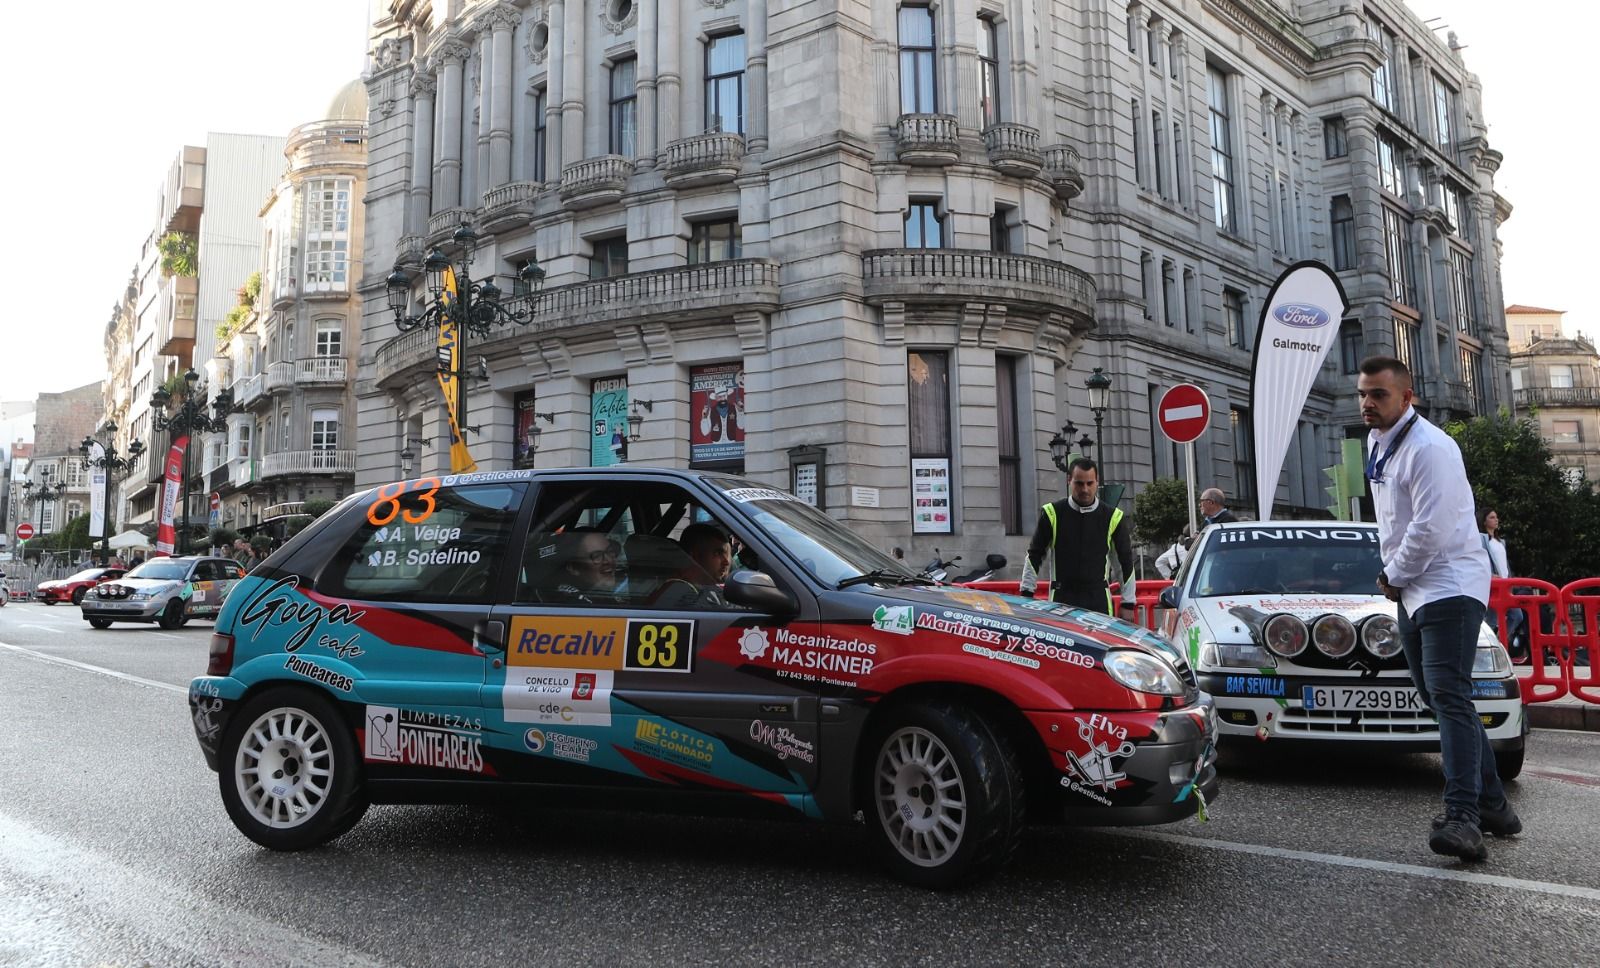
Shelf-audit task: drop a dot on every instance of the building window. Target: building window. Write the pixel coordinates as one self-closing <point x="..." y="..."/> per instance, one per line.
<point x="624" y="109"/>
<point x="284" y="428"/>
<point x="1391" y="166"/>
<point x="1333" y="138"/>
<point x="1138" y="145"/>
<point x="1350" y="346"/>
<point x="74" y="510"/>
<point x="1180" y="154"/>
<point x="1443" y="98"/>
<point x="725" y="83"/>
<point x="327" y="265"/>
<point x="1342" y="217"/>
<point x="1461" y="292"/>
<point x="1133" y="32"/>
<point x="1470" y="363"/>
<point x="610" y="257"/>
<point x="330" y="337"/>
<point x="1006" y="404"/>
<point x="1560" y="376"/>
<point x="919" y="94"/>
<point x="241" y="447"/>
<point x="928" y="373"/>
<point x="1456" y="207"/>
<point x="924" y="225"/>
<point x="1397" y="256"/>
<point x="1384" y="84"/>
<point x="1160" y="161"/>
<point x="1233" y="317"/>
<point x="1222" y="198"/>
<point x="328" y="205"/>
<point x="1147" y="284"/>
<point x="1169" y="293"/>
<point x="1191" y="300"/>
<point x="47" y="517"/>
<point x="1408" y="347"/>
<point x="1518" y="378"/>
<point x="324" y="430"/>
<point x="713" y="241"/>
<point x="1000" y="230"/>
<point x="77" y="473"/>
<point x="1244" y="461"/>
<point x="988" y="72"/>
<point x="327" y="227"/>
<point x="1566" y="432"/>
<point x="540" y="136"/>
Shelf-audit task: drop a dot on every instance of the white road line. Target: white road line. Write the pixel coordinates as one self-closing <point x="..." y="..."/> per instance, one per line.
<point x="1362" y="863"/>
<point x="150" y="906"/>
<point x="94" y="668"/>
<point x="42" y="628"/>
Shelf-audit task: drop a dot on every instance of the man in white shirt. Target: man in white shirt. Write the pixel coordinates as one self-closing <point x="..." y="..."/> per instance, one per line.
<point x="1435" y="568"/>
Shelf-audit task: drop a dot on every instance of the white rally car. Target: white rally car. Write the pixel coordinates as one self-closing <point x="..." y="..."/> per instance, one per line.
<point x="1284" y="627"/>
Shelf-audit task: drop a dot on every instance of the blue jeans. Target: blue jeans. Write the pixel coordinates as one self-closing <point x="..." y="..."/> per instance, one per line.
<point x="1439" y="643"/>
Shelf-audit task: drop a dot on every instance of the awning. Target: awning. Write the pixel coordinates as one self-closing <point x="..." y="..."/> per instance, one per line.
<point x="129" y="539"/>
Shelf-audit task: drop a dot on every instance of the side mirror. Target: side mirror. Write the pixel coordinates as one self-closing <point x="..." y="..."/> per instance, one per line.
<point x="1168" y="597"/>
<point x="757" y="591"/>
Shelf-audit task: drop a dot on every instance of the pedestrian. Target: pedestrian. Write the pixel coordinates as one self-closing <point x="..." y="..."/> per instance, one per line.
<point x="1435" y="569"/>
<point x="1082" y="532"/>
<point x="1212" y="508"/>
<point x="1500" y="567"/>
<point x="1172" y="559"/>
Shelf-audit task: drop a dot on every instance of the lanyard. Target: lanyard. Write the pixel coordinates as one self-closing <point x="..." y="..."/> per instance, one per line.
<point x="1375" y="465"/>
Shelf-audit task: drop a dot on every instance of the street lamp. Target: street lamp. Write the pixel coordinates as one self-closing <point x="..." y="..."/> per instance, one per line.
<point x="1099" y="399"/>
<point x="188" y="416"/>
<point x="41" y="494"/>
<point x="474" y="307"/>
<point x="112" y="462"/>
<point x="636" y="419"/>
<point x="1061" y="446"/>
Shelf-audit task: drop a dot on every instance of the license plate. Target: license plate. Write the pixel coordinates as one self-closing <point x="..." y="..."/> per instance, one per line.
<point x="1352" y="699"/>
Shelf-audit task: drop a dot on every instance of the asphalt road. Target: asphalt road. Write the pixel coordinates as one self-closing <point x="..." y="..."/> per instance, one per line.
<point x="115" y="850"/>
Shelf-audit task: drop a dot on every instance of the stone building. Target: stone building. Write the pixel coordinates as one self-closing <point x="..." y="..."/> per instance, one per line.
<point x="61" y="421"/>
<point x="892" y="240"/>
<point x="1558" y="377"/>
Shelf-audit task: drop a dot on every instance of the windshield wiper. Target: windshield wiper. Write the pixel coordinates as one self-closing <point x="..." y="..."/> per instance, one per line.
<point x="885" y="576"/>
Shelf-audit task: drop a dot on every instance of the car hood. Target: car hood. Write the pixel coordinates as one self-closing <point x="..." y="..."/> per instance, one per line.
<point x="139" y="584"/>
<point x="1226" y="617"/>
<point x="56" y="583"/>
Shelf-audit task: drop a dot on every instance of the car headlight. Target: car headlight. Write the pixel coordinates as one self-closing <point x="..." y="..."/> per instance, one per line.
<point x="1334" y="635"/>
<point x="1286" y="635"/>
<point x="1490" y="660"/>
<point x="1142" y="672"/>
<point x="1234" y="655"/>
<point x="1380" y="635"/>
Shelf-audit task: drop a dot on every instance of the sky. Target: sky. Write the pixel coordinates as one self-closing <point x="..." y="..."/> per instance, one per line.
<point x="95" y="126"/>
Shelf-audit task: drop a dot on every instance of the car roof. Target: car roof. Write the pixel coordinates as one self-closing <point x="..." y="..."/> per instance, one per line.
<point x="538" y="473"/>
<point x="1236" y="525"/>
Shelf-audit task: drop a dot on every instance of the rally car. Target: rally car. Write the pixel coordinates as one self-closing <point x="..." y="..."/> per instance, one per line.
<point x="73" y="587"/>
<point x="167" y="591"/>
<point x="555" y="631"/>
<point x="1285" y="628"/>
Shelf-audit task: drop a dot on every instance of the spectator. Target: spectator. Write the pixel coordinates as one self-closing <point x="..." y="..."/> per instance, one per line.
<point x="1213" y="509"/>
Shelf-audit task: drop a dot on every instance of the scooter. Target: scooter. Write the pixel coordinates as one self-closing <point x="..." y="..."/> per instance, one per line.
<point x="938" y="569"/>
<point x="994" y="564"/>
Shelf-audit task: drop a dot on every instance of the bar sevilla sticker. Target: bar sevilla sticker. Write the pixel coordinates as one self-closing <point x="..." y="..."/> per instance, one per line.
<point x="558" y="697"/>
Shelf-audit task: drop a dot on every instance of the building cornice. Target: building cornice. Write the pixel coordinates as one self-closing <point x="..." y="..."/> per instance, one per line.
<point x="1271" y="28"/>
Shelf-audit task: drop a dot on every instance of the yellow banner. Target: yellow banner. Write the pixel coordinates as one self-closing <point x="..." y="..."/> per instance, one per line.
<point x="461" y="461"/>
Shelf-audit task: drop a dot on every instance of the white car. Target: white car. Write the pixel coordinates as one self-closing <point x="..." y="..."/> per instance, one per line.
<point x="167" y="591"/>
<point x="1284" y="627"/>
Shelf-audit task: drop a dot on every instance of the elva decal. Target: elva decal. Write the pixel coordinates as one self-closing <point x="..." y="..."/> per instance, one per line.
<point x="1097" y="767"/>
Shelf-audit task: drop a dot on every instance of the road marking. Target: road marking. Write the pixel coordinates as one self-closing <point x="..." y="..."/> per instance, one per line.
<point x="94" y="668"/>
<point x="151" y="907"/>
<point x="1362" y="863"/>
<point x="1567" y="776"/>
<point x="42" y="628"/>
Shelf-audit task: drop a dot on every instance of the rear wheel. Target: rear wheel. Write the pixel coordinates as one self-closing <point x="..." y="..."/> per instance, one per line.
<point x="290" y="776"/>
<point x="100" y="623"/>
<point x="944" y="795"/>
<point x="172" y="615"/>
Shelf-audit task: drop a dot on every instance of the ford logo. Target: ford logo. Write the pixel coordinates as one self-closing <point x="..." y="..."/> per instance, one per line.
<point x="1301" y="315"/>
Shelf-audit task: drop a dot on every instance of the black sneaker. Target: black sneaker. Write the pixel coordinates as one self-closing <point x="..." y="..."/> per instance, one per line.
<point x="1454" y="835"/>
<point x="1502" y="822"/>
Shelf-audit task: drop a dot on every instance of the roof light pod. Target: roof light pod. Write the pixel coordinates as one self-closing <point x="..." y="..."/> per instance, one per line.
<point x="1334" y="636"/>
<point x="1380" y="635"/>
<point x="1286" y="635"/>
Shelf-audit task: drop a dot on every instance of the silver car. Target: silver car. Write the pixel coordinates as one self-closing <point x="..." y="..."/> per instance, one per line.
<point x="167" y="591"/>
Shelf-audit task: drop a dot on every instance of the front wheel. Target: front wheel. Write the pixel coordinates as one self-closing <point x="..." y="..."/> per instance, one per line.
<point x="77" y="596"/>
<point x="944" y="795"/>
<point x="1508" y="763"/>
<point x="172" y="615"/>
<point x="290" y="776"/>
<point x="100" y="623"/>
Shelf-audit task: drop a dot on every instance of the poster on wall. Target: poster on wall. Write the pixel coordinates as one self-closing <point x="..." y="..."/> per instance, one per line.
<point x="608" y="415"/>
<point x="524" y="441"/>
<point x="930" y="495"/>
<point x="716" y="414"/>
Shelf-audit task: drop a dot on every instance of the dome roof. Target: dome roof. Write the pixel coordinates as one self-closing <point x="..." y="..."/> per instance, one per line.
<point x="350" y="104"/>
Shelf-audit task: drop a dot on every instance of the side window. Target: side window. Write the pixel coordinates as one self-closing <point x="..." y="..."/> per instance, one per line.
<point x="602" y="545"/>
<point x="427" y="544"/>
<point x="206" y="571"/>
<point x="232" y="570"/>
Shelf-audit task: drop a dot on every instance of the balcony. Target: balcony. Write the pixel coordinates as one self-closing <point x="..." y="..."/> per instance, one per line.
<point x="321" y="369"/>
<point x="410" y="251"/>
<point x="242" y="471"/>
<point x="1061" y="168"/>
<point x="308" y="462"/>
<point x="280" y="376"/>
<point x="175" y="323"/>
<point x="923" y="276"/>
<point x="443" y="224"/>
<point x="183" y="195"/>
<point x="1014" y="149"/>
<point x="705" y="159"/>
<point x="510" y="205"/>
<point x="318" y="143"/>
<point x="927" y="139"/>
<point x="247" y="388"/>
<point x="595" y="181"/>
<point x="675" y="296"/>
<point x="1557" y="397"/>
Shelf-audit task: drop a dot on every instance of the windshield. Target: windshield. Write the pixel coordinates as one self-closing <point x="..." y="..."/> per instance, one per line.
<point x="87" y="575"/>
<point x="160" y="568"/>
<point x="1287" y="560"/>
<point x="826" y="549"/>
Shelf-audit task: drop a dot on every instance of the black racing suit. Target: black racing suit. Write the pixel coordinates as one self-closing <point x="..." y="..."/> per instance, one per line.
<point x="1083" y="542"/>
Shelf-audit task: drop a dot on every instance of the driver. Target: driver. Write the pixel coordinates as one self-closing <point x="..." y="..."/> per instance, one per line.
<point x="589" y="567"/>
<point x="698" y="584"/>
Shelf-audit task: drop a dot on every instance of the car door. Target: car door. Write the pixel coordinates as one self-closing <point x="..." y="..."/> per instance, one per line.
<point x="608" y="672"/>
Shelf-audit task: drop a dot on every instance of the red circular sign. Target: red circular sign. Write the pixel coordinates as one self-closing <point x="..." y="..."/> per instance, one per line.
<point x="24" y="531"/>
<point x="1184" y="413"/>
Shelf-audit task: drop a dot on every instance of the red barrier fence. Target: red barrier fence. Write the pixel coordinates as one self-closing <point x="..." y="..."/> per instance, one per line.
<point x="1145" y="594"/>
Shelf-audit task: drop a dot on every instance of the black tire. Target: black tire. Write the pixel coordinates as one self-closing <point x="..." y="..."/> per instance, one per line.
<point x="172" y="615"/>
<point x="911" y="749"/>
<point x="318" y="735"/>
<point x="1508" y="763"/>
<point x="48" y="601"/>
<point x="100" y="623"/>
<point x="77" y="595"/>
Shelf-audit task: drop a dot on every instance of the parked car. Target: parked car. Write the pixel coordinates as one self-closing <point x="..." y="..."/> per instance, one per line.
<point x="74" y="587"/>
<point x="561" y="630"/>
<point x="1286" y="630"/>
<point x="167" y="591"/>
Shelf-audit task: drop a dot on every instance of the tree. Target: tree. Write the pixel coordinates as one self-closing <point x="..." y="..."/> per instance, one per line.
<point x="1551" y="528"/>
<point x="317" y="507"/>
<point x="1161" y="512"/>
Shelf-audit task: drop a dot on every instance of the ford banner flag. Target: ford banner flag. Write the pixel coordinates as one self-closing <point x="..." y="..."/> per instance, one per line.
<point x="1299" y="323"/>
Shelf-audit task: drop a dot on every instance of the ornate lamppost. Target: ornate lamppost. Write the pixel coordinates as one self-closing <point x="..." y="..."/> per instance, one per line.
<point x="112" y="462"/>
<point x="187" y="415"/>
<point x="473" y="306"/>
<point x="1099" y="399"/>
<point x="41" y="494"/>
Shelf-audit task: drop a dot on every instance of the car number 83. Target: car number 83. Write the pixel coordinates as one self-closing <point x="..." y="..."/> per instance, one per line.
<point x="659" y="646"/>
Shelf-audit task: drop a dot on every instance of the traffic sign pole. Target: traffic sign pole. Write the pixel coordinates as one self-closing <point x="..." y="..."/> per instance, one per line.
<point x="1184" y="413"/>
<point x="1188" y="470"/>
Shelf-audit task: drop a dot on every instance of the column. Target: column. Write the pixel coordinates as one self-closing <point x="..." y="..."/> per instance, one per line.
<point x="572" y="60"/>
<point x="555" y="88"/>
<point x="501" y="21"/>
<point x="645" y="85"/>
<point x="481" y="121"/>
<point x="668" y="79"/>
<point x="447" y="175"/>
<point x="755" y="120"/>
<point x="422" y="86"/>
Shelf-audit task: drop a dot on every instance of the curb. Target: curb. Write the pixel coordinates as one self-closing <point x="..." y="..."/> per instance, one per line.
<point x="1578" y="716"/>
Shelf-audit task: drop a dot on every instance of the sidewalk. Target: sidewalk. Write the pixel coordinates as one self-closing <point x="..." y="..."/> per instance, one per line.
<point x="1568" y="712"/>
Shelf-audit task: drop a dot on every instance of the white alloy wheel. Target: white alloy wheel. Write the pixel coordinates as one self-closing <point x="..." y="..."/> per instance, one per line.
<point x="920" y="797"/>
<point x="284" y="768"/>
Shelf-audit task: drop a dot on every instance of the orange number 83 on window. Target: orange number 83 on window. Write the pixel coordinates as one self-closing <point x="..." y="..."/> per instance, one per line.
<point x="386" y="507"/>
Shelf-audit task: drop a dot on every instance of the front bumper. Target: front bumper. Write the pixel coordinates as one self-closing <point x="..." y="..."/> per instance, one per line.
<point x="123" y="610"/>
<point x="50" y="595"/>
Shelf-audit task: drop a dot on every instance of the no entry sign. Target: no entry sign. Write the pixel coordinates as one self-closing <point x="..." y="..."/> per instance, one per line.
<point x="24" y="531"/>
<point x="1184" y="413"/>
